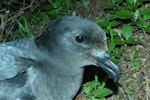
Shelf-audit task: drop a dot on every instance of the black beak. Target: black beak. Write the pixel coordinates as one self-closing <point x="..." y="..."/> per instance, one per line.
<point x="113" y="71"/>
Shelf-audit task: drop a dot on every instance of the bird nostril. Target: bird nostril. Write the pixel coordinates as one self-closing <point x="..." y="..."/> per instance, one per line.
<point x="107" y="54"/>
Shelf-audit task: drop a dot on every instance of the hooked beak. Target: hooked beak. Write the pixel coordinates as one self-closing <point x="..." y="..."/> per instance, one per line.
<point x="113" y="71"/>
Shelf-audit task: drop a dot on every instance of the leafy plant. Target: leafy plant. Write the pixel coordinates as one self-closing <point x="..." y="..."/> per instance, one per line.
<point x="56" y="8"/>
<point x="123" y="18"/>
<point x="24" y="30"/>
<point x="134" y="57"/>
<point x="94" y="90"/>
<point x="129" y="91"/>
<point x="130" y="12"/>
<point x="48" y="11"/>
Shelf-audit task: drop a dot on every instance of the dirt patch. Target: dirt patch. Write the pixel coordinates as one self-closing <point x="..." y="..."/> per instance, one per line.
<point x="137" y="81"/>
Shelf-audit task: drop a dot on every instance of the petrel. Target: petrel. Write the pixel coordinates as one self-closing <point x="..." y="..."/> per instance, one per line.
<point x="50" y="66"/>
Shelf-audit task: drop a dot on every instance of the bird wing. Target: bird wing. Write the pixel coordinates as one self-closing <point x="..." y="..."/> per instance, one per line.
<point x="15" y="57"/>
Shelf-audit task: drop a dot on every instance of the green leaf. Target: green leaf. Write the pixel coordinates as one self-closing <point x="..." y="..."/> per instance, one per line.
<point x="130" y="1"/>
<point x="117" y="54"/>
<point x="21" y="27"/>
<point x="138" y="2"/>
<point x="147" y="29"/>
<point x="103" y="83"/>
<point x="144" y="11"/>
<point x="108" y="5"/>
<point x="118" y="41"/>
<point x="127" y="31"/>
<point x="132" y="41"/>
<point x="24" y="30"/>
<point x="102" y="22"/>
<point x="123" y="14"/>
<point x="53" y="12"/>
<point x="129" y="91"/>
<point x="96" y="81"/>
<point x="141" y="22"/>
<point x="89" y="86"/>
<point x="117" y="1"/>
<point x="137" y="64"/>
<point x="102" y="99"/>
<point x="146" y="17"/>
<point x="102" y="92"/>
<point x="114" y="23"/>
<point x="135" y="54"/>
<point x="111" y="46"/>
<point x="57" y="3"/>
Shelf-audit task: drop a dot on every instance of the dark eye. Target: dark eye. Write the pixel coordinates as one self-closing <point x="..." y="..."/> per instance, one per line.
<point x="79" y="38"/>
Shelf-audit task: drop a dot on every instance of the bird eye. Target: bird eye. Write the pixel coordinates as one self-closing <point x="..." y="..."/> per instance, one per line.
<point x="79" y="38"/>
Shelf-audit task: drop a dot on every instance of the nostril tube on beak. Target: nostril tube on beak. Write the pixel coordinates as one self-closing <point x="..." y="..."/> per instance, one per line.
<point x="113" y="71"/>
<point x="107" y="55"/>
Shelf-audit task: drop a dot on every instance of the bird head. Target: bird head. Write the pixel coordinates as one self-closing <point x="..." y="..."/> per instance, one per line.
<point x="74" y="43"/>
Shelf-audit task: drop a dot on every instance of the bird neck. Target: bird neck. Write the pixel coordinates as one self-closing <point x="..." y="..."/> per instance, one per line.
<point x="56" y="86"/>
<point x="55" y="80"/>
<point x="67" y="85"/>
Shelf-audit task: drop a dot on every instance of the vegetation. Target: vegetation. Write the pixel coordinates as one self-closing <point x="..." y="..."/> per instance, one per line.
<point x="123" y="18"/>
<point x="94" y="90"/>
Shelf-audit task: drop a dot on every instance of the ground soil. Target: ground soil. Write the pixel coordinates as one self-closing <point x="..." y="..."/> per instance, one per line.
<point x="136" y="82"/>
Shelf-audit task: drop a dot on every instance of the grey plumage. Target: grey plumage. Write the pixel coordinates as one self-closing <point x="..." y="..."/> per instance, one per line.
<point x="50" y="67"/>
